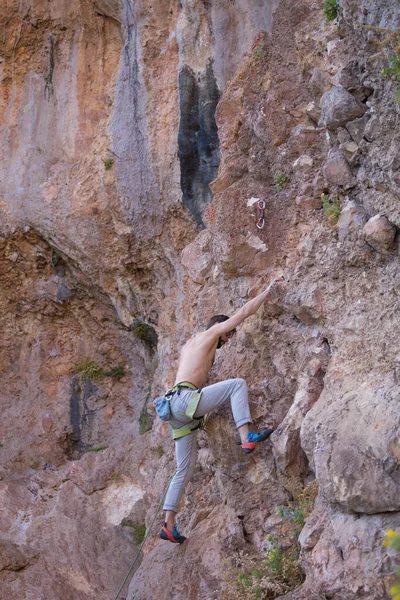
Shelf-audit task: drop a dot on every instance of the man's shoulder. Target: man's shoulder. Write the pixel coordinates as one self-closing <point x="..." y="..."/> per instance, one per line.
<point x="198" y="339"/>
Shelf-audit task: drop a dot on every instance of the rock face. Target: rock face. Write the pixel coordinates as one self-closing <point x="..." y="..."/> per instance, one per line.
<point x="338" y="107"/>
<point x="380" y="233"/>
<point x="138" y="141"/>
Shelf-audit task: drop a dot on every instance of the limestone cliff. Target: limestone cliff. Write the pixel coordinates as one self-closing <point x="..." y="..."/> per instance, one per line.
<point x="138" y="141"/>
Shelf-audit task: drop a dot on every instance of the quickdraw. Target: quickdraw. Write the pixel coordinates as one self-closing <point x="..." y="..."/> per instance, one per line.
<point x="261" y="207"/>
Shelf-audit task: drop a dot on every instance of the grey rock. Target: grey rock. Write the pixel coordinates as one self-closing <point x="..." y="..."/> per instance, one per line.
<point x="351" y="151"/>
<point x="361" y="438"/>
<point x="356" y="128"/>
<point x="319" y="82"/>
<point x="354" y="546"/>
<point x="337" y="170"/>
<point x="380" y="233"/>
<point x="288" y="454"/>
<point x="314" y="112"/>
<point x="351" y="221"/>
<point x="197" y="257"/>
<point x="349" y="78"/>
<point x="318" y="185"/>
<point x="309" y="202"/>
<point x="372" y="129"/>
<point x="338" y="107"/>
<point x="303" y="164"/>
<point x="343" y="135"/>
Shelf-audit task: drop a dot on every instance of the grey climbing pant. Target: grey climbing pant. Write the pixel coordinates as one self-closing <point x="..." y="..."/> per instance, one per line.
<point x="185" y="447"/>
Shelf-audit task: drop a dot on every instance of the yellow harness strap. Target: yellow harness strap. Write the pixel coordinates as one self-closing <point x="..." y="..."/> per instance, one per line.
<point x="190" y="410"/>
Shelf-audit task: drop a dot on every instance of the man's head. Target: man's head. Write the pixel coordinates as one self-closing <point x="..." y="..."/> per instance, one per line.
<point x="226" y="336"/>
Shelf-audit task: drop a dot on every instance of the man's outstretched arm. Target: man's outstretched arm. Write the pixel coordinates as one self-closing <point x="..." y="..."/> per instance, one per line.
<point x="247" y="310"/>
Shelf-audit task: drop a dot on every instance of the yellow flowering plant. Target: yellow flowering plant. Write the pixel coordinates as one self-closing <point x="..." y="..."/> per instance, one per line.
<point x="392" y="540"/>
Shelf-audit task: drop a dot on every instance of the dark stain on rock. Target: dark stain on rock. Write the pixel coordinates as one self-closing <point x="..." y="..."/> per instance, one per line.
<point x="49" y="89"/>
<point x="81" y="417"/>
<point x="198" y="142"/>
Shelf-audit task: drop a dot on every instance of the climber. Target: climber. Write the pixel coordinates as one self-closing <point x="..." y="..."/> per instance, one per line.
<point x="189" y="403"/>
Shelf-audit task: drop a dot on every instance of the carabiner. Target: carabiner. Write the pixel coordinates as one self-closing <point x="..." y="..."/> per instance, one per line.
<point x="260" y="223"/>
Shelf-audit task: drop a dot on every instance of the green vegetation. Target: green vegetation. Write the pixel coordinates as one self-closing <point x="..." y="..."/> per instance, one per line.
<point x="330" y="9"/>
<point x="281" y="181"/>
<point x="393" y="70"/>
<point x="90" y="369"/>
<point x="144" y="422"/>
<point x="55" y="258"/>
<point x="331" y="208"/>
<point x="145" y="332"/>
<point x="138" y="530"/>
<point x="256" y="577"/>
<point x="387" y="42"/>
<point x="293" y="514"/>
<point x="108" y="163"/>
<point x="259" y="51"/>
<point x="116" y="372"/>
<point x="392" y="540"/>
<point x="97" y="449"/>
<point x="159" y="450"/>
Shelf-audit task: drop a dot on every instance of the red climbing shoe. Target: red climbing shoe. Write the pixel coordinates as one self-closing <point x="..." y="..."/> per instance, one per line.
<point x="171" y="536"/>
<point x="255" y="438"/>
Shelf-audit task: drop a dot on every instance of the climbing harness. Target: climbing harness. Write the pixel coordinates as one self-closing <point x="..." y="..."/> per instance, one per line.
<point x="145" y="539"/>
<point x="261" y="207"/>
<point x="163" y="408"/>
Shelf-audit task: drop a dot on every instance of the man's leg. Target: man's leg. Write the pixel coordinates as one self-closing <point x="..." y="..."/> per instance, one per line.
<point x="186" y="454"/>
<point x="213" y="396"/>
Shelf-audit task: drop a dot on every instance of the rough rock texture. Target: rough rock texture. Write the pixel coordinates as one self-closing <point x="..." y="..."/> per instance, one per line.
<point x="137" y="139"/>
<point x="380" y="233"/>
<point x="338" y="107"/>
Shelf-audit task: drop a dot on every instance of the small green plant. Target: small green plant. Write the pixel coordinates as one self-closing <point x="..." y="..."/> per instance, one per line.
<point x="116" y="372"/>
<point x="330" y="9"/>
<point x="97" y="449"/>
<point x="393" y="540"/>
<point x="145" y="332"/>
<point x="387" y="42"/>
<point x="108" y="163"/>
<point x="281" y="181"/>
<point x="259" y="51"/>
<point x="331" y="208"/>
<point x="278" y="571"/>
<point x="90" y="369"/>
<point x="144" y="422"/>
<point x="159" y="450"/>
<point x="55" y="258"/>
<point x="393" y="70"/>
<point x="294" y="514"/>
<point x="263" y="578"/>
<point x="138" y="530"/>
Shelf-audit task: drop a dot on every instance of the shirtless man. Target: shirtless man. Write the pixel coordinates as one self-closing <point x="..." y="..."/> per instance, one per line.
<point x="188" y="406"/>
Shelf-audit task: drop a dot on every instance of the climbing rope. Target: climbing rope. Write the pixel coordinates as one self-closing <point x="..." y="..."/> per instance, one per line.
<point x="144" y="540"/>
<point x="261" y="207"/>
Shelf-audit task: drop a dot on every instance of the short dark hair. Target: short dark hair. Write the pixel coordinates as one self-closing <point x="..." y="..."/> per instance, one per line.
<point x="216" y="319"/>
